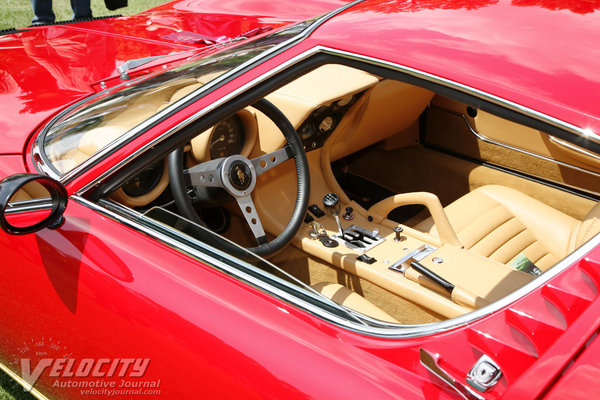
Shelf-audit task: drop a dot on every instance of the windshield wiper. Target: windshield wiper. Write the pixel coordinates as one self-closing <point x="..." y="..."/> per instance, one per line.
<point x="211" y="41"/>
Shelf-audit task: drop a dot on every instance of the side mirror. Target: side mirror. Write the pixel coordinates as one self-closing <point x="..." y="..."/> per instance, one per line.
<point x="31" y="202"/>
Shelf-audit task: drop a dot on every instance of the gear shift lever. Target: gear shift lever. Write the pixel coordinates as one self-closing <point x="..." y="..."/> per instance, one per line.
<point x="331" y="201"/>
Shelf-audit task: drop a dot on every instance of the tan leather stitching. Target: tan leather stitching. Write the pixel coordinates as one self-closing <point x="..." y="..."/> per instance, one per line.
<point x="591" y="231"/>
<point x="499" y="237"/>
<point x="480" y="227"/>
<point x="506" y="250"/>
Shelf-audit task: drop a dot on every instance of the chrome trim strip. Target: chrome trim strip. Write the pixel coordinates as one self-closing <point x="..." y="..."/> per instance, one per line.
<point x="365" y="59"/>
<point x="199" y="114"/>
<point x="404" y="331"/>
<point x="483" y="138"/>
<point x="466" y="89"/>
<point x="29" y="205"/>
<point x="213" y="262"/>
<point x="137" y="130"/>
<point x="574" y="148"/>
<point x="26" y="386"/>
<point x="385" y="331"/>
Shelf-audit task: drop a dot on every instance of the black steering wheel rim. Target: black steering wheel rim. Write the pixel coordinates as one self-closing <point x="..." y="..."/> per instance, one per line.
<point x="294" y="149"/>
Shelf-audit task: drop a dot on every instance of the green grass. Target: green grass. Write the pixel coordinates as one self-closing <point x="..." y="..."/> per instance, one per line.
<point x="11" y="390"/>
<point x="18" y="14"/>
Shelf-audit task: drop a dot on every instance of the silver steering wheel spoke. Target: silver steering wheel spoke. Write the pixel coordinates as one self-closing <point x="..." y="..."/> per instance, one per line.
<point x="237" y="175"/>
<point x="265" y="162"/>
<point x="247" y="206"/>
<point x="207" y="174"/>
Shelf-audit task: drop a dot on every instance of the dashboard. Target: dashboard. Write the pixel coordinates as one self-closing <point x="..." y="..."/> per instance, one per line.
<point x="317" y="104"/>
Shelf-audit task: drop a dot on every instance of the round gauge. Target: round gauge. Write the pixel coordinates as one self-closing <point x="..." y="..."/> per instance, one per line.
<point x="344" y="101"/>
<point x="307" y="130"/>
<point x="145" y="181"/>
<point x="227" y="138"/>
<point x="326" y="124"/>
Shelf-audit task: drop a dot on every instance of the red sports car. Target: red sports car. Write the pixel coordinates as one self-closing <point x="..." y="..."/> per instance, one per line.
<point x="320" y="199"/>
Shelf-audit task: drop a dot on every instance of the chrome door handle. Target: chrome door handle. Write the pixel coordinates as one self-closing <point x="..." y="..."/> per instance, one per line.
<point x="430" y="361"/>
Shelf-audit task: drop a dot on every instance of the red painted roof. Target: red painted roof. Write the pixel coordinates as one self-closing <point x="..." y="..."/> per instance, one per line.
<point x="44" y="69"/>
<point x="542" y="54"/>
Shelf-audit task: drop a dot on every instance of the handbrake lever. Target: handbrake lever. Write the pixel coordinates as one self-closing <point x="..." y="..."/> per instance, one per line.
<point x="413" y="270"/>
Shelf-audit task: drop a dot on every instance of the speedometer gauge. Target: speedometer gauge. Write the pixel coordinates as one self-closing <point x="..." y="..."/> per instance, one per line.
<point x="227" y="138"/>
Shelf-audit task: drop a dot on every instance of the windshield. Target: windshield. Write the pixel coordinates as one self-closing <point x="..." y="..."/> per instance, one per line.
<point x="107" y="118"/>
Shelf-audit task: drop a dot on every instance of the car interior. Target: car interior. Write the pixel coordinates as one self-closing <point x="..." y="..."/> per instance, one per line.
<point x="420" y="208"/>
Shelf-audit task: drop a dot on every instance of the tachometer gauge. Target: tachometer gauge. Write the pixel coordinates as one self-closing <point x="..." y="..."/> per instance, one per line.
<point x="227" y="138"/>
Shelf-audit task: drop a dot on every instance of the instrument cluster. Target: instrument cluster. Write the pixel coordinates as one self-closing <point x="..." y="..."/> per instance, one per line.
<point x="322" y="122"/>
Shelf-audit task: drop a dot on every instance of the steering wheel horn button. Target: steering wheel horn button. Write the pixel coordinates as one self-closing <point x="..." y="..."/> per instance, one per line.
<point x="240" y="175"/>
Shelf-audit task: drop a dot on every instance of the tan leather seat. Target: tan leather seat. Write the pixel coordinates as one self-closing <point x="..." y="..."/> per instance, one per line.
<point x="342" y="295"/>
<point x="502" y="223"/>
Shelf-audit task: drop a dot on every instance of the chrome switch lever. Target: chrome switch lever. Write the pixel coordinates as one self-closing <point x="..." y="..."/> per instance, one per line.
<point x="331" y="201"/>
<point x="348" y="216"/>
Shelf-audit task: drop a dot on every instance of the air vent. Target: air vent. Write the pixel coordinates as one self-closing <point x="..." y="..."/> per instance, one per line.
<point x="74" y="21"/>
<point x="10" y="31"/>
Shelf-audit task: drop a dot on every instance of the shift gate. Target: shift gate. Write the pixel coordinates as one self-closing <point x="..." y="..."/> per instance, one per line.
<point x="358" y="238"/>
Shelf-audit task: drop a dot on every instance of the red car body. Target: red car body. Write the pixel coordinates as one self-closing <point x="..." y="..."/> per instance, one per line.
<point x="98" y="289"/>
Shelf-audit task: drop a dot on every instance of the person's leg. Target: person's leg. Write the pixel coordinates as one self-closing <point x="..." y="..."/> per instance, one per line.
<point x="81" y="8"/>
<point x="42" y="11"/>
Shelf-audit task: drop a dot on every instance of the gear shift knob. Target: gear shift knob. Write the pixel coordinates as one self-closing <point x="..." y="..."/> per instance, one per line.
<point x="331" y="201"/>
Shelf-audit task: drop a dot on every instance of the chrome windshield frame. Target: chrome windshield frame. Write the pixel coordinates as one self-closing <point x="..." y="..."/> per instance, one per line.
<point x="381" y="330"/>
<point x="287" y="290"/>
<point x="42" y="163"/>
<point x="397" y="331"/>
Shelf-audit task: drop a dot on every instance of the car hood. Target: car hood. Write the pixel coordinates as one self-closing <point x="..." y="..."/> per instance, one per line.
<point x="44" y="69"/>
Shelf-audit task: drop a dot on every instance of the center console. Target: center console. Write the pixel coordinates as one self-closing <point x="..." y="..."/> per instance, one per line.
<point x="437" y="274"/>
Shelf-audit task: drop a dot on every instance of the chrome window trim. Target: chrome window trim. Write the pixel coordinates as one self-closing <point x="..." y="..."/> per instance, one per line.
<point x="22" y="206"/>
<point x="468" y="90"/>
<point x="138" y="129"/>
<point x="384" y="330"/>
<point x="36" y="151"/>
<point x="410" y="331"/>
<point x="129" y="218"/>
<point x="360" y="58"/>
<point x="482" y="137"/>
<point x="199" y="114"/>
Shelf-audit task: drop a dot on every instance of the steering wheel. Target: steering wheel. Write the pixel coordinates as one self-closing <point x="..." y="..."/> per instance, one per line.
<point x="237" y="175"/>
